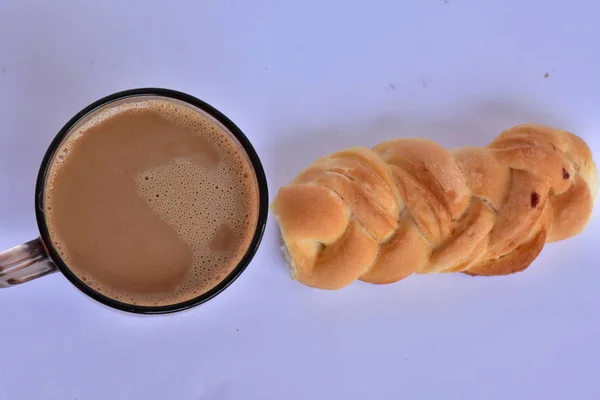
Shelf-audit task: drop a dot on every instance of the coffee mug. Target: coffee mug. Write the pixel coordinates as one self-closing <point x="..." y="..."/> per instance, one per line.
<point x="39" y="257"/>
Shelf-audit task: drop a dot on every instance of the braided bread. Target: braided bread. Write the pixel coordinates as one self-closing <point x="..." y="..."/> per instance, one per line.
<point x="409" y="205"/>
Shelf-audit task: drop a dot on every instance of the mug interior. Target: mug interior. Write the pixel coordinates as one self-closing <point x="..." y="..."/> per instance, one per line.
<point x="87" y="116"/>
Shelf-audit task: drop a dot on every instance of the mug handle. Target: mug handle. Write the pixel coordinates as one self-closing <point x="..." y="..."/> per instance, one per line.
<point x="24" y="263"/>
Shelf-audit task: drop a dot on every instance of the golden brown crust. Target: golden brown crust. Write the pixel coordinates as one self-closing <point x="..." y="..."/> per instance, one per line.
<point x="487" y="177"/>
<point x="299" y="204"/>
<point x="401" y="256"/>
<point x="338" y="265"/>
<point x="411" y="206"/>
<point x="461" y="247"/>
<point x="519" y="215"/>
<point x="515" y="261"/>
<point x="570" y="211"/>
<point x="433" y="167"/>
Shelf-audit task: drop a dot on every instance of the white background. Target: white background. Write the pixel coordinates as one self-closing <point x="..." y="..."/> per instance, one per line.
<point x="301" y="79"/>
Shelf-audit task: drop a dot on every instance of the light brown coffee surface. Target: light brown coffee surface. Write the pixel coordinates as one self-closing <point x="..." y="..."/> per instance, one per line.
<point x="151" y="203"/>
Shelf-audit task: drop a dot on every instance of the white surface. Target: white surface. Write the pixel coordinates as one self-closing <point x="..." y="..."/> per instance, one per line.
<point x="301" y="79"/>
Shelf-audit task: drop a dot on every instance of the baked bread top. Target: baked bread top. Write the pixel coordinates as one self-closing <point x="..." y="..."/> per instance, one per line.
<point x="409" y="205"/>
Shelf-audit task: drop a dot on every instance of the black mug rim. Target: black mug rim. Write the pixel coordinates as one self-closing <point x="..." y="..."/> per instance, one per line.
<point x="214" y="113"/>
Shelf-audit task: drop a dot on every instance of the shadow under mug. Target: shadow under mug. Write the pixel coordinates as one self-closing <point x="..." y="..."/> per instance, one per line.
<point x="38" y="257"/>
